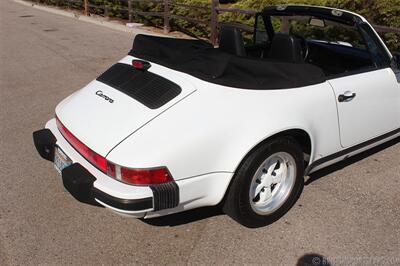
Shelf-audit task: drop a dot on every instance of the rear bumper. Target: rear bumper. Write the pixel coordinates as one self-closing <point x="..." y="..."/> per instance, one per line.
<point x="81" y="184"/>
<point x="45" y="143"/>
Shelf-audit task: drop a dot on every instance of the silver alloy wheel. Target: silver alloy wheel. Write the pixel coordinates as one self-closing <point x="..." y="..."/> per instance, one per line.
<point x="272" y="183"/>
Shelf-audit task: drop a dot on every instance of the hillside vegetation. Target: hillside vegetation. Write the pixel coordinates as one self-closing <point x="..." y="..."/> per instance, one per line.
<point x="380" y="12"/>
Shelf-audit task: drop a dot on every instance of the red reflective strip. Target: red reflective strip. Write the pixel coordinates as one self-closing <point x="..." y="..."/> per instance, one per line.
<point x="129" y="176"/>
<point x="96" y="159"/>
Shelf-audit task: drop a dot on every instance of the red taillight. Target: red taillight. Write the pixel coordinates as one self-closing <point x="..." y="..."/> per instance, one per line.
<point x="145" y="176"/>
<point x="129" y="176"/>
<point x="110" y="169"/>
<point x="97" y="160"/>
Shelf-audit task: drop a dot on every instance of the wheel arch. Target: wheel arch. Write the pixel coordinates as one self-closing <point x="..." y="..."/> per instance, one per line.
<point x="303" y="137"/>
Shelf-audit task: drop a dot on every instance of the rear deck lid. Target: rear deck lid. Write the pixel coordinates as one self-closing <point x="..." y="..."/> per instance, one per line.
<point x="146" y="87"/>
<point x="120" y="102"/>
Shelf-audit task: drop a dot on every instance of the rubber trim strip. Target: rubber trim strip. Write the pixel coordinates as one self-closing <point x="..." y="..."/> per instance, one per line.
<point x="350" y="150"/>
<point x="166" y="195"/>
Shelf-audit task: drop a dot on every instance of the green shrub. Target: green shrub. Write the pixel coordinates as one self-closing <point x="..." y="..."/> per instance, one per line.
<point x="191" y="28"/>
<point x="380" y="12"/>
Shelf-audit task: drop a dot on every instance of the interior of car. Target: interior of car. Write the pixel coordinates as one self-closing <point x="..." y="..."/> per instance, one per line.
<point x="335" y="48"/>
<point x="290" y="47"/>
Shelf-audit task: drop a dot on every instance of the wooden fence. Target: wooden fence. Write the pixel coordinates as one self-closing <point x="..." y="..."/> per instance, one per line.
<point x="166" y="15"/>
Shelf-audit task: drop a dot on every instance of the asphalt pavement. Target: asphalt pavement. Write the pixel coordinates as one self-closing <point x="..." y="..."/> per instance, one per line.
<point x="348" y="213"/>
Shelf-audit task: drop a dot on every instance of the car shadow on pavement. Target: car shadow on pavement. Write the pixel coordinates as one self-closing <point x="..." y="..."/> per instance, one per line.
<point x="185" y="217"/>
<point x="313" y="259"/>
<point x="340" y="165"/>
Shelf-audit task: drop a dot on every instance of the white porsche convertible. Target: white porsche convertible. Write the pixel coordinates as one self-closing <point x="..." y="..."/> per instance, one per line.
<point x="179" y="124"/>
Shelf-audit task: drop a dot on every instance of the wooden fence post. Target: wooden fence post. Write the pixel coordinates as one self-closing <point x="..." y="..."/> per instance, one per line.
<point x="130" y="14"/>
<point x="85" y="6"/>
<point x="105" y="9"/>
<point x="214" y="21"/>
<point x="167" y="26"/>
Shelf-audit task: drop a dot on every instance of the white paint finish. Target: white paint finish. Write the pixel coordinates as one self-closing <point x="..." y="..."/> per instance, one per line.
<point x="213" y="129"/>
<point x="374" y="111"/>
<point x="200" y="191"/>
<point x="210" y="132"/>
<point x="103" y="182"/>
<point x="100" y="124"/>
<point x="336" y="160"/>
<point x="203" y="138"/>
<point x="205" y="190"/>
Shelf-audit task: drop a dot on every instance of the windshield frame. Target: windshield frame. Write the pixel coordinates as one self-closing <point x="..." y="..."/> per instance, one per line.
<point x="337" y="16"/>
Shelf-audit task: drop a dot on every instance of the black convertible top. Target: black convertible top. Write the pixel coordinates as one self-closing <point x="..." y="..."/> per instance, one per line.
<point x="201" y="60"/>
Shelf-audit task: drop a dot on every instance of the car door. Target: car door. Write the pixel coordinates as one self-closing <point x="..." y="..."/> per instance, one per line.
<point x="368" y="103"/>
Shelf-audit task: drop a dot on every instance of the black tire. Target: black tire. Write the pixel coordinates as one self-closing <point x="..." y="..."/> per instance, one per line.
<point x="237" y="203"/>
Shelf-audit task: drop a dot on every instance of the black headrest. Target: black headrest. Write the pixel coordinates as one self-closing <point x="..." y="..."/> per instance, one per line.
<point x="286" y="48"/>
<point x="231" y="41"/>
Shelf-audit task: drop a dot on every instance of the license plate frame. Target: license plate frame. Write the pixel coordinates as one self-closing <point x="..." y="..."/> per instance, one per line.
<point x="61" y="160"/>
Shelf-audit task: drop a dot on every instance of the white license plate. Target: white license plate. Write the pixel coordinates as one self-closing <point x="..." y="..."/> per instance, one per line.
<point x="61" y="160"/>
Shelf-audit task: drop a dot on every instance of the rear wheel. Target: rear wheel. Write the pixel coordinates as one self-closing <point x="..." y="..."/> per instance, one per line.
<point x="267" y="183"/>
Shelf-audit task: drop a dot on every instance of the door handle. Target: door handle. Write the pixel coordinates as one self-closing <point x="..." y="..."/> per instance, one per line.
<point x="346" y="97"/>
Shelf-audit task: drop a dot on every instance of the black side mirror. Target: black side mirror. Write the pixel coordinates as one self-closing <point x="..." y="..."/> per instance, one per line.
<point x="396" y="61"/>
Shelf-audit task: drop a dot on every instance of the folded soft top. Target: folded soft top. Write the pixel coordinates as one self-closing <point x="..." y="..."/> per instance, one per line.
<point x="201" y="60"/>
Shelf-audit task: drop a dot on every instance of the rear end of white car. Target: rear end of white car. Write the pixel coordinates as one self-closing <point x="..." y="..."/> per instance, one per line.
<point x="92" y="122"/>
<point x="143" y="140"/>
<point x="84" y="179"/>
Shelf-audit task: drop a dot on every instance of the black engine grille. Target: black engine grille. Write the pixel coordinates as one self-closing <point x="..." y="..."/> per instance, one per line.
<point x="147" y="88"/>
